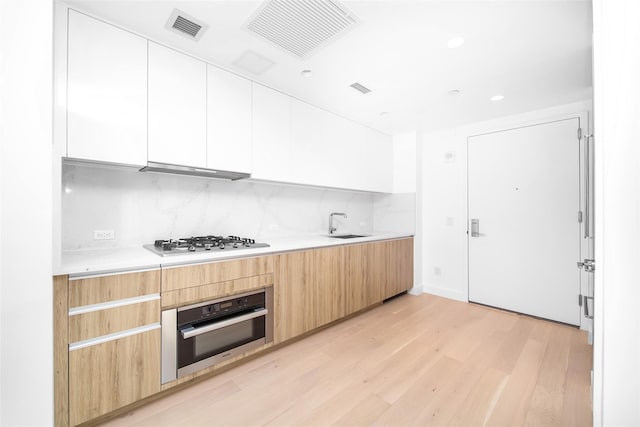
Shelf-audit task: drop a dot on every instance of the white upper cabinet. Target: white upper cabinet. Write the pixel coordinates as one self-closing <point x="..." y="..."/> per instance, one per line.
<point x="271" y="135"/>
<point x="106" y="92"/>
<point x="316" y="150"/>
<point x="177" y="108"/>
<point x="228" y="121"/>
<point x="376" y="157"/>
<point x="331" y="151"/>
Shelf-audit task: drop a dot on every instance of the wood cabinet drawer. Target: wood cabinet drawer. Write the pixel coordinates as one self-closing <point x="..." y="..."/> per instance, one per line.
<point x="214" y="290"/>
<point x="108" y="376"/>
<point x="215" y="272"/>
<point x="96" y="290"/>
<point x="92" y="324"/>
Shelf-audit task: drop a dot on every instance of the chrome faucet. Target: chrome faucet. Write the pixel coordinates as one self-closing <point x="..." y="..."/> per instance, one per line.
<point x="331" y="227"/>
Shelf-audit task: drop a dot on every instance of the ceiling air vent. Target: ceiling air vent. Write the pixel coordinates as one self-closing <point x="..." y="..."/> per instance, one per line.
<point x="186" y="25"/>
<point x="301" y="27"/>
<point x="357" y="86"/>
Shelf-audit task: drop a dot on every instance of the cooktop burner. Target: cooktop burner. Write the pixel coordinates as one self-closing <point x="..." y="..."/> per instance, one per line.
<point x="202" y="244"/>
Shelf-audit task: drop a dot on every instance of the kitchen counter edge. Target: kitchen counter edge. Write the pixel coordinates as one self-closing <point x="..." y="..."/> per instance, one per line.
<point x="118" y="260"/>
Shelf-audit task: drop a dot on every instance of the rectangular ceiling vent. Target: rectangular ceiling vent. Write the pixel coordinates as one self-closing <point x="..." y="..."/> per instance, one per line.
<point x="181" y="23"/>
<point x="301" y="27"/>
<point x="360" y="88"/>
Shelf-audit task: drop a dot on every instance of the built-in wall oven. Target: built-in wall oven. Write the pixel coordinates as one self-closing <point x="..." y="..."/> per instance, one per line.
<point x="201" y="335"/>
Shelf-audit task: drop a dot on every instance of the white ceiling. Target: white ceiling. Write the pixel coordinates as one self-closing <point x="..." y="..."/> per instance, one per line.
<point x="535" y="53"/>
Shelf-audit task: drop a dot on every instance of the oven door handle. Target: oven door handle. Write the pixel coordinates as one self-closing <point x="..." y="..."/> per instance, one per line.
<point x="192" y="332"/>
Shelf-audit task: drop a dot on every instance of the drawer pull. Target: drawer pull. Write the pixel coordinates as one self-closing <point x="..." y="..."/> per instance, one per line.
<point x="112" y="337"/>
<point x="112" y="304"/>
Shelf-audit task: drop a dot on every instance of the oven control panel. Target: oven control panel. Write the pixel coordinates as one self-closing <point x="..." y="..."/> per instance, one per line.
<point x="225" y="307"/>
<point x="221" y="308"/>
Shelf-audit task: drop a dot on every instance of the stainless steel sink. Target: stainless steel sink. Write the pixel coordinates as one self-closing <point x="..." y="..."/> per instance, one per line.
<point x="347" y="236"/>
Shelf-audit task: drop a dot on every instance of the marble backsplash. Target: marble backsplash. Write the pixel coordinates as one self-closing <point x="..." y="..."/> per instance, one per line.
<point x="141" y="207"/>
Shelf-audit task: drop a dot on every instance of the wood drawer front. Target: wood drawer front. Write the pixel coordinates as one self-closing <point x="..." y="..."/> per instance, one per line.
<point x="95" y="290"/>
<point x="108" y="376"/>
<point x="97" y="323"/>
<point x="206" y="274"/>
<point x="215" y="290"/>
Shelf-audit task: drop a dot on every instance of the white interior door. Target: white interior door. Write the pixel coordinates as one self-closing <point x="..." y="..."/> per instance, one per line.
<point x="524" y="191"/>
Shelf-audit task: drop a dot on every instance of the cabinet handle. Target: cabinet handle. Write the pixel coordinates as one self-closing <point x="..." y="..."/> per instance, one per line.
<point x="192" y="332"/>
<point x="112" y="337"/>
<point x="113" y="304"/>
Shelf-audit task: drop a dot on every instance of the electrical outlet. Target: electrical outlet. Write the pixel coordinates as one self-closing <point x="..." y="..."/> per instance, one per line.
<point x="437" y="271"/>
<point x="104" y="235"/>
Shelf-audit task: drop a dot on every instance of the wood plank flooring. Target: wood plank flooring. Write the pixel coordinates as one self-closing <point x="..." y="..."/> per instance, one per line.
<point x="416" y="360"/>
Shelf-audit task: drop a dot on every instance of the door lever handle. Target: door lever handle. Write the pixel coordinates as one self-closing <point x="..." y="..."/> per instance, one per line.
<point x="475" y="228"/>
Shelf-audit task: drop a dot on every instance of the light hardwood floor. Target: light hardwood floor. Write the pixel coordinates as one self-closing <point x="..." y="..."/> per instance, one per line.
<point x="417" y="360"/>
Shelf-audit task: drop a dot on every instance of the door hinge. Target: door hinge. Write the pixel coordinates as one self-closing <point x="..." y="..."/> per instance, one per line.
<point x="580" y="216"/>
<point x="580" y="300"/>
<point x="587" y="265"/>
<point x="579" y="134"/>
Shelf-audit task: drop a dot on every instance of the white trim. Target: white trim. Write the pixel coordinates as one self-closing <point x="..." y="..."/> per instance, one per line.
<point x="112" y="337"/>
<point x="446" y="293"/>
<point x="112" y="304"/>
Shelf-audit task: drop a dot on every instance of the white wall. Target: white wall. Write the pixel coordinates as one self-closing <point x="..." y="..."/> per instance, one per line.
<point x="442" y="189"/>
<point x="26" y="335"/>
<point x="617" y="290"/>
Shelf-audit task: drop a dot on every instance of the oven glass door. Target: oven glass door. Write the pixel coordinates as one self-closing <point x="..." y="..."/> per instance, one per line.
<point x="202" y="341"/>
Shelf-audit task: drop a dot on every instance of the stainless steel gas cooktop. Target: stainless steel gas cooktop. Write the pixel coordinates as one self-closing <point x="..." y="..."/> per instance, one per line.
<point x="202" y="244"/>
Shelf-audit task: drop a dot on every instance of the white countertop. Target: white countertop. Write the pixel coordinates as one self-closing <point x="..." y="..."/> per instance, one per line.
<point x="89" y="262"/>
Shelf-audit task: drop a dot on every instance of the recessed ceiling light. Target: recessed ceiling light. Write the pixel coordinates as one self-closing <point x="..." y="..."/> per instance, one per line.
<point x="454" y="92"/>
<point x="455" y="42"/>
<point x="497" y="97"/>
<point x="306" y="73"/>
<point x="384" y="113"/>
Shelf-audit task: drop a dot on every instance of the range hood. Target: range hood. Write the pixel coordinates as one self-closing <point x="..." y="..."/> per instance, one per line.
<point x="188" y="170"/>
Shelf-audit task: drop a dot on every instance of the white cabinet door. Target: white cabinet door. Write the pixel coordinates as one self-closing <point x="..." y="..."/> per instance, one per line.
<point x="228" y="121"/>
<point x="107" y="92"/>
<point x="331" y="151"/>
<point x="177" y="108"/>
<point x="376" y="156"/>
<point x="271" y="134"/>
<point x="315" y="151"/>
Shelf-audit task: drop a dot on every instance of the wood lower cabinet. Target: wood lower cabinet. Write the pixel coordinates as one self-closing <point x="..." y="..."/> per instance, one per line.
<point x="107" y="352"/>
<point x="309" y="291"/>
<point x="367" y="275"/>
<point x="400" y="266"/>
<point x="377" y="271"/>
<point x="107" y="328"/>
<point x="316" y="287"/>
<point x="108" y="376"/>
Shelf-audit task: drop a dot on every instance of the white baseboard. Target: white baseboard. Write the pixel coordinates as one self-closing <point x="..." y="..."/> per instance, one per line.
<point x="416" y="290"/>
<point x="447" y="293"/>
